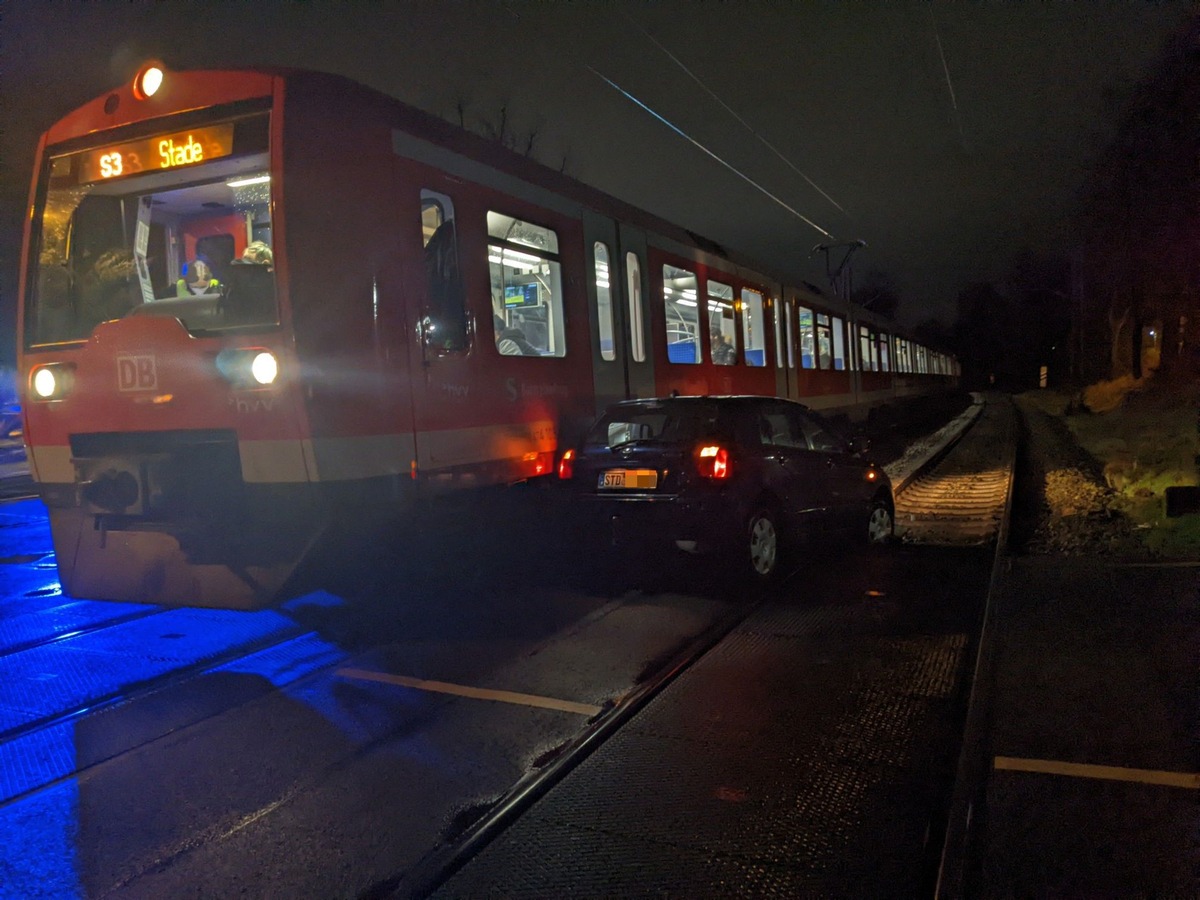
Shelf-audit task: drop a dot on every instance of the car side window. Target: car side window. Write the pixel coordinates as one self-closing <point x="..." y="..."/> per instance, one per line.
<point x="819" y="437"/>
<point x="778" y="429"/>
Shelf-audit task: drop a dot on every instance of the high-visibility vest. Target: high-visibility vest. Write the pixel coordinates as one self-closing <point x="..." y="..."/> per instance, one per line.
<point x="182" y="289"/>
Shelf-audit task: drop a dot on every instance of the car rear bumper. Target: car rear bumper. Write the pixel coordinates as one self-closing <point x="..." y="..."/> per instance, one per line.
<point x="699" y="524"/>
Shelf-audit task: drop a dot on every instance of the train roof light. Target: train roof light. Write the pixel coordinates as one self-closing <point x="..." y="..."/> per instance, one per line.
<point x="148" y="81"/>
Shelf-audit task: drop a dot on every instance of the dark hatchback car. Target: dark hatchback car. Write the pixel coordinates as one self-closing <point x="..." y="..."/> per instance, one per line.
<point x="737" y="475"/>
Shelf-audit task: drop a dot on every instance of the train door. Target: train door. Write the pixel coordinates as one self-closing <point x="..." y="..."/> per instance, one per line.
<point x="634" y="324"/>
<point x="790" y="351"/>
<point x="442" y="327"/>
<point x="606" y="291"/>
<point x="854" y="358"/>
<point x="783" y="352"/>
<point x="499" y="366"/>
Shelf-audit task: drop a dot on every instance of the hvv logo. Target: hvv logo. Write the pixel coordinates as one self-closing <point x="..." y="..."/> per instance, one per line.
<point x="136" y="372"/>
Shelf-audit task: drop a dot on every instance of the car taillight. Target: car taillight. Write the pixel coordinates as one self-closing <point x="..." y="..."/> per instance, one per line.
<point x="712" y="461"/>
<point x="566" y="465"/>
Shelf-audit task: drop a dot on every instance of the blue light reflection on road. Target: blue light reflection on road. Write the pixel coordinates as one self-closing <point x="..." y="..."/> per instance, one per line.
<point x="39" y="787"/>
<point x="38" y="831"/>
<point x="40" y="784"/>
<point x="39" y="856"/>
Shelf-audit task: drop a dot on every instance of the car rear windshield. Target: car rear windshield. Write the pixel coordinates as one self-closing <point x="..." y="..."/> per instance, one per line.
<point x="666" y="423"/>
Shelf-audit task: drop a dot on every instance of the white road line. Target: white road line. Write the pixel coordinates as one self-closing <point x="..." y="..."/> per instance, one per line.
<point x="460" y="690"/>
<point x="1178" y="564"/>
<point x="1109" y="773"/>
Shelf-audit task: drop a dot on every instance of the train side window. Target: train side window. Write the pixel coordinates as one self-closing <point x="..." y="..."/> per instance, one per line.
<point x="839" y="344"/>
<point x="869" y="349"/>
<point x="604" y="310"/>
<point x="633" y="272"/>
<point x="445" y="322"/>
<point x="808" y="339"/>
<point x="682" y="314"/>
<point x="824" y="342"/>
<point x="884" y="361"/>
<point x="722" y="331"/>
<point x="526" y="272"/>
<point x="753" y="328"/>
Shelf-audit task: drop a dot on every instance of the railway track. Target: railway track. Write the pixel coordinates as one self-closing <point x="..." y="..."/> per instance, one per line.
<point x="960" y="499"/>
<point x="931" y="509"/>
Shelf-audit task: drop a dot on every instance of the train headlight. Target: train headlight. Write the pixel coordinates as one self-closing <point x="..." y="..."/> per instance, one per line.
<point x="52" y="381"/>
<point x="148" y="81"/>
<point x="249" y="367"/>
<point x="264" y="367"/>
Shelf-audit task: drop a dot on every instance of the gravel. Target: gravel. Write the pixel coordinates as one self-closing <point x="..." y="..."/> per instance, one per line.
<point x="1062" y="503"/>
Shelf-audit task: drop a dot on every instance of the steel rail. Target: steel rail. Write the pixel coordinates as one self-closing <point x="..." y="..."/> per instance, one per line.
<point x="48" y="640"/>
<point x="437" y="867"/>
<point x="971" y="772"/>
<point x="152" y="685"/>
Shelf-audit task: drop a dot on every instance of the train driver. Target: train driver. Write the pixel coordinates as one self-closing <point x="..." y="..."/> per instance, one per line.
<point x="198" y="279"/>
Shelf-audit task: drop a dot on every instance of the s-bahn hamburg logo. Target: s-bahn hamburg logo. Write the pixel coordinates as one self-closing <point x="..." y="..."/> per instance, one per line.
<point x="136" y="372"/>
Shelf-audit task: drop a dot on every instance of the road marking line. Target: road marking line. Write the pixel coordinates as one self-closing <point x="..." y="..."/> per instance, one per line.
<point x="1179" y="564"/>
<point x="1110" y="773"/>
<point x="461" y="690"/>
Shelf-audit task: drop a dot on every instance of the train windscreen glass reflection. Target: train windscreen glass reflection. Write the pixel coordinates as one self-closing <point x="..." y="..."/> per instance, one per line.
<point x="141" y="237"/>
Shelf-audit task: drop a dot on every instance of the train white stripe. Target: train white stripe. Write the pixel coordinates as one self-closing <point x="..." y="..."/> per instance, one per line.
<point x="303" y="460"/>
<point x="485" y="443"/>
<point x="276" y="462"/>
<point x="51" y="463"/>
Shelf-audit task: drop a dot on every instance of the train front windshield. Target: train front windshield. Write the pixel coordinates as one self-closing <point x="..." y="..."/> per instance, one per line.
<point x="156" y="226"/>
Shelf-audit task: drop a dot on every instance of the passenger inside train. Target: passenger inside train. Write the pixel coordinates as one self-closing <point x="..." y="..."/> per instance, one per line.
<point x="510" y="339"/>
<point x="257" y="253"/>
<point x="723" y="352"/>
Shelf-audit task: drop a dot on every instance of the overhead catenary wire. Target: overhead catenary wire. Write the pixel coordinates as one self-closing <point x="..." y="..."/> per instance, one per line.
<point x="949" y="83"/>
<point x="725" y="106"/>
<point x="683" y="134"/>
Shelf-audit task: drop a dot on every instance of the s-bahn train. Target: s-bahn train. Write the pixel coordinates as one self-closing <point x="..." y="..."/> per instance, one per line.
<point x="253" y="297"/>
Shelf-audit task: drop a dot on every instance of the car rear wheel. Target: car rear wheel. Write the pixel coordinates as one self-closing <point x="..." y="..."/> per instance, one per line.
<point x="761" y="545"/>
<point x="881" y="524"/>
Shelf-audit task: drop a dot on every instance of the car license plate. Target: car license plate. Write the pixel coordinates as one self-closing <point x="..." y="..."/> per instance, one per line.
<point x="645" y="479"/>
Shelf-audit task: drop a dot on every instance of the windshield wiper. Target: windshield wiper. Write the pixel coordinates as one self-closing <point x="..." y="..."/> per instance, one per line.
<point x="633" y="441"/>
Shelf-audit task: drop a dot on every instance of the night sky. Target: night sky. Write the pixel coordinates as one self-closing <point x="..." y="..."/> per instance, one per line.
<point x="946" y="136"/>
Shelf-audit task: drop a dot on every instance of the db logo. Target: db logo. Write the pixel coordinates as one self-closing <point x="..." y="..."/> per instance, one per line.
<point x="136" y="373"/>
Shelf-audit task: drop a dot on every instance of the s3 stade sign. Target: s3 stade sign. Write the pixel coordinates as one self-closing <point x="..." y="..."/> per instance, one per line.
<point x="166" y="151"/>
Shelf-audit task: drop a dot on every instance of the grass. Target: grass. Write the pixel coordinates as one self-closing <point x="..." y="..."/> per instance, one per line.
<point x="1144" y="436"/>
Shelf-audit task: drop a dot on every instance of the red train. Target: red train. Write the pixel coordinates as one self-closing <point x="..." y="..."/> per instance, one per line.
<point x="252" y="297"/>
